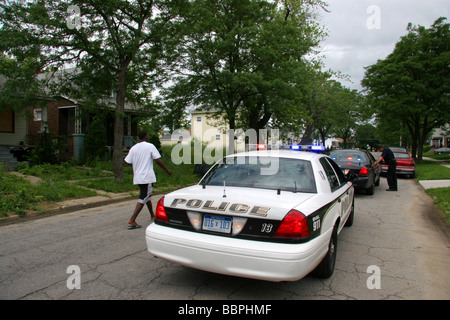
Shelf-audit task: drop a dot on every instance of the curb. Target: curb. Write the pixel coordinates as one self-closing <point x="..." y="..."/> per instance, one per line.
<point x="68" y="206"/>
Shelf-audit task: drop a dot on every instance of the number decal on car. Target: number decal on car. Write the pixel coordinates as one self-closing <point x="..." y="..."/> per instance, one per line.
<point x="266" y="227"/>
<point x="316" y="223"/>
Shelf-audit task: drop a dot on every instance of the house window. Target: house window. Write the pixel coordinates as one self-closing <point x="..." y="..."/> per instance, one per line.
<point x="7" y="121"/>
<point x="199" y="119"/>
<point x="37" y="114"/>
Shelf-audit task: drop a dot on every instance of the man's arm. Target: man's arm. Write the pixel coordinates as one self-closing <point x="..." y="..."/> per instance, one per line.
<point x="379" y="160"/>
<point x="161" y="164"/>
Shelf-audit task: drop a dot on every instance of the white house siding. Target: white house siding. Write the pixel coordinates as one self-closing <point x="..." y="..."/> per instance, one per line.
<point x="20" y="131"/>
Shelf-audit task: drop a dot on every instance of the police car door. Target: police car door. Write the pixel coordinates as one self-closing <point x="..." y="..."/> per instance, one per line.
<point x="347" y="197"/>
<point x="341" y="191"/>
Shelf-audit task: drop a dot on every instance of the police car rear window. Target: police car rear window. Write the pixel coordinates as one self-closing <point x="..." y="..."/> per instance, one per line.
<point x="283" y="174"/>
<point x="353" y="157"/>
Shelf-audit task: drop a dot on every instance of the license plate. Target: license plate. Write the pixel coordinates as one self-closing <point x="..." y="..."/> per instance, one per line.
<point x="217" y="224"/>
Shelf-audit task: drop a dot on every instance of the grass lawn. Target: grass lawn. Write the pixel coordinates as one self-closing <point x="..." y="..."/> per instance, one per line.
<point x="431" y="170"/>
<point x="445" y="157"/>
<point x="441" y="197"/>
<point x="20" y="196"/>
<point x="182" y="175"/>
<point x="71" y="181"/>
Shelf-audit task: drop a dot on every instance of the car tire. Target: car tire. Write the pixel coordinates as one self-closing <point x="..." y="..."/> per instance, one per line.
<point x="370" y="191"/>
<point x="377" y="183"/>
<point x="326" y="268"/>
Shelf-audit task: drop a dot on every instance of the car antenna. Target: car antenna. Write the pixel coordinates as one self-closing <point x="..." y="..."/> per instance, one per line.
<point x="224" y="195"/>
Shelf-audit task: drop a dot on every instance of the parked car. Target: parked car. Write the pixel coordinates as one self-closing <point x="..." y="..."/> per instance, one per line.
<point x="398" y="149"/>
<point x="442" y="150"/>
<point x="273" y="216"/>
<point x="360" y="164"/>
<point x="405" y="164"/>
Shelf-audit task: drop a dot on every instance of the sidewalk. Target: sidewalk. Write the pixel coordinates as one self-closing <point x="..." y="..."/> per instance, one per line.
<point x="429" y="184"/>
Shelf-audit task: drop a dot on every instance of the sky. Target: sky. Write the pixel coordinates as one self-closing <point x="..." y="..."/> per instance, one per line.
<point x="362" y="31"/>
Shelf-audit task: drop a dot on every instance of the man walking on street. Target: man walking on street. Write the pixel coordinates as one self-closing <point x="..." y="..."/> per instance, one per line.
<point x="388" y="157"/>
<point x="141" y="157"/>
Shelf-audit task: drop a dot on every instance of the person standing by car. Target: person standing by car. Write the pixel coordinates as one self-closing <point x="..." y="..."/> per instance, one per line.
<point x="141" y="157"/>
<point x="388" y="157"/>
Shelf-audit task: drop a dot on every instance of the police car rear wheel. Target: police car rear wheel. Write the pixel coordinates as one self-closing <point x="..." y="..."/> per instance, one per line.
<point x="326" y="268"/>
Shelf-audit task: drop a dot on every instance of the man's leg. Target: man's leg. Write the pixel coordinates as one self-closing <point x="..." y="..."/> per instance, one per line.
<point x="150" y="208"/>
<point x="394" y="177"/>
<point x="391" y="178"/>
<point x="136" y="212"/>
<point x="143" y="197"/>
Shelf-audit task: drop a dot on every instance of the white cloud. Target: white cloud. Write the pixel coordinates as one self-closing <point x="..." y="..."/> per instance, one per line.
<point x="358" y="37"/>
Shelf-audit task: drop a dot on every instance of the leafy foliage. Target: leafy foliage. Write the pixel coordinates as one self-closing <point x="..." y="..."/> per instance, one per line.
<point x="412" y="85"/>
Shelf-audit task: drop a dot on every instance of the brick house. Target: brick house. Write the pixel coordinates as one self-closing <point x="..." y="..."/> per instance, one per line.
<point x="61" y="116"/>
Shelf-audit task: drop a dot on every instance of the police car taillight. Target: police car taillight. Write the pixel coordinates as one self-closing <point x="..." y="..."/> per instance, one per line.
<point x="363" y="171"/>
<point x="294" y="225"/>
<point x="160" y="213"/>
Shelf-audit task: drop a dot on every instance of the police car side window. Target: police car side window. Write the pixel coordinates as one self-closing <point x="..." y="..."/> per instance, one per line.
<point x="338" y="172"/>
<point x="332" y="178"/>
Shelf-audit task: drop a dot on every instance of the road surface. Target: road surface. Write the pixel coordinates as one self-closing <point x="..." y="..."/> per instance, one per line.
<point x="396" y="249"/>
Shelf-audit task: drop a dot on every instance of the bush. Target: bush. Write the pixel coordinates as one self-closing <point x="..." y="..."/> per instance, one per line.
<point x="48" y="149"/>
<point x="95" y="141"/>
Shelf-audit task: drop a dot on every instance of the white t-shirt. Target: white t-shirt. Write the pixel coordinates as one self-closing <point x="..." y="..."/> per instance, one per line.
<point x="141" y="156"/>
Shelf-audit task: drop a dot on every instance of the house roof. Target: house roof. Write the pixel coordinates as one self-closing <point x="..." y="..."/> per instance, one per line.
<point x="202" y="110"/>
<point x="55" y="77"/>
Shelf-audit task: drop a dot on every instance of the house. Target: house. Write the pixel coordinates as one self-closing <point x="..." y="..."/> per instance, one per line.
<point x="440" y="138"/>
<point x="208" y="128"/>
<point x="62" y="116"/>
<point x="212" y="130"/>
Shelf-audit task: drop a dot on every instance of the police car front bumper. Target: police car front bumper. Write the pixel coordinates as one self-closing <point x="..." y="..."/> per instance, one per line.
<point x="237" y="257"/>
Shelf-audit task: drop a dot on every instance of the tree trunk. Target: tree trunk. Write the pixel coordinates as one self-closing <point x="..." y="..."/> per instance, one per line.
<point x="307" y="135"/>
<point x="118" y="123"/>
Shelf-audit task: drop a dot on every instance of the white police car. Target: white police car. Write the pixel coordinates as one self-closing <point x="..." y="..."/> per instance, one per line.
<point x="271" y="215"/>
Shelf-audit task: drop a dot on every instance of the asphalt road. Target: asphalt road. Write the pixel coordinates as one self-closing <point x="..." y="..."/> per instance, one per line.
<point x="396" y="249"/>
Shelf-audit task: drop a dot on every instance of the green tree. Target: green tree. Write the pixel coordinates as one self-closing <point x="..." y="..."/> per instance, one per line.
<point x="412" y="85"/>
<point x="245" y="58"/>
<point x="116" y="46"/>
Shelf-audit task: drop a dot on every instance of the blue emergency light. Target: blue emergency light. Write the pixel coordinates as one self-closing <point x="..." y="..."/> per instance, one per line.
<point x="317" y="148"/>
<point x="298" y="147"/>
